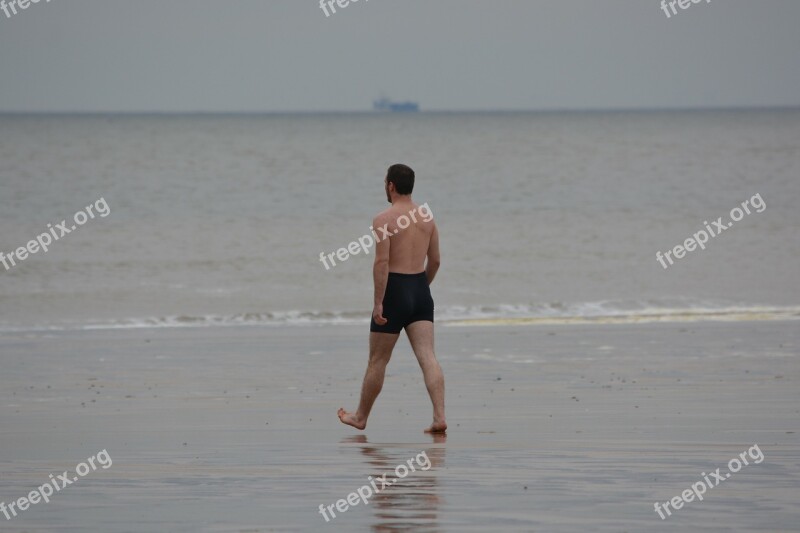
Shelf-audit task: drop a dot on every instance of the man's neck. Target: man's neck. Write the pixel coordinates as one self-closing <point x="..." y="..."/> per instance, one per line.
<point x="402" y="200"/>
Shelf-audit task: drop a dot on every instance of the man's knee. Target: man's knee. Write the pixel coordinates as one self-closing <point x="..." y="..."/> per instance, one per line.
<point x="379" y="357"/>
<point x="427" y="361"/>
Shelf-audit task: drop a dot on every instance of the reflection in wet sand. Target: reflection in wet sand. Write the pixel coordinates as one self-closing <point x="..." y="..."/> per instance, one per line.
<point x="411" y="503"/>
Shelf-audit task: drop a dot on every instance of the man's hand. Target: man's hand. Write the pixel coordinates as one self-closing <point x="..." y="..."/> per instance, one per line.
<point x="377" y="315"/>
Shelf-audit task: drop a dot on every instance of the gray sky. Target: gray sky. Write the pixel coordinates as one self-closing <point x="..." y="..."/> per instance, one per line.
<point x="285" y="55"/>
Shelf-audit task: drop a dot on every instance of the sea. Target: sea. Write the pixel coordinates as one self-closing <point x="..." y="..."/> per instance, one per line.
<point x="218" y="220"/>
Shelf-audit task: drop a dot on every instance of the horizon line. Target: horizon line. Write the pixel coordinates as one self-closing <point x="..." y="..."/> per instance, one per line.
<point x="407" y="113"/>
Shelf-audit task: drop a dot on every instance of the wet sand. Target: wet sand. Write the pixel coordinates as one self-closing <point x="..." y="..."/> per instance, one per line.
<point x="552" y="428"/>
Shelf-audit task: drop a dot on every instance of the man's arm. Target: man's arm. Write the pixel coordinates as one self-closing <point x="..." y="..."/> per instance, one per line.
<point x="380" y="275"/>
<point x="432" y="266"/>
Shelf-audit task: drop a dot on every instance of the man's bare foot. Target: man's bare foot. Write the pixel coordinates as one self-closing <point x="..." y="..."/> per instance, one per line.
<point x="351" y="420"/>
<point x="437" y="427"/>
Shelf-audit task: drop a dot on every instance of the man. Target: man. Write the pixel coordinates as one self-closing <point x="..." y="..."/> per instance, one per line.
<point x="402" y="297"/>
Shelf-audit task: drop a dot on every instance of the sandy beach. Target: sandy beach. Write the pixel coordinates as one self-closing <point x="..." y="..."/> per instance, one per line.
<point x="552" y="428"/>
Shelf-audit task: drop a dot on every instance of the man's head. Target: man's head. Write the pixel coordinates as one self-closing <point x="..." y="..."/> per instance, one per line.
<point x="399" y="181"/>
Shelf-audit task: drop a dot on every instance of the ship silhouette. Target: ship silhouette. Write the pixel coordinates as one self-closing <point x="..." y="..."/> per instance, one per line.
<point x="385" y="104"/>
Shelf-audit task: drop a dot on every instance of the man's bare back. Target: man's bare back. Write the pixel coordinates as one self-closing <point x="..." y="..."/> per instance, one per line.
<point x="410" y="246"/>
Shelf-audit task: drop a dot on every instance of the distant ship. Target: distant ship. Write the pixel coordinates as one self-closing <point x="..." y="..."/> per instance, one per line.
<point x="384" y="104"/>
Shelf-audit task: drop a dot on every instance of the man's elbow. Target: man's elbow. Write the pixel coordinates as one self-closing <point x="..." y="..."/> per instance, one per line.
<point x="434" y="262"/>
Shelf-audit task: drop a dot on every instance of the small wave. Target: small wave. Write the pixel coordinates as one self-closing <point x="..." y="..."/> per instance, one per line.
<point x="495" y="315"/>
<point x="742" y="314"/>
<point x="287" y="318"/>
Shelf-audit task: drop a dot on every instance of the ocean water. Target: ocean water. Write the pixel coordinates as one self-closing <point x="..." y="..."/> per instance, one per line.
<point x="220" y="220"/>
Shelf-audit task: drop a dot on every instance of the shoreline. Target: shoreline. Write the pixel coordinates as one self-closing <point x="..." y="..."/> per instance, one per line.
<point x="449" y="317"/>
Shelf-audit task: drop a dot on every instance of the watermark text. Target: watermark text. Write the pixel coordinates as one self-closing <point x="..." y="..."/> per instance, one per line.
<point x="700" y="238"/>
<point x="698" y="489"/>
<point x="56" y="483"/>
<point x="364" y="493"/>
<point x="47" y="238"/>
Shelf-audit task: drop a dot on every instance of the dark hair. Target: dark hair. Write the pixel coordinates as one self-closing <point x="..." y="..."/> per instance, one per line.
<point x="402" y="177"/>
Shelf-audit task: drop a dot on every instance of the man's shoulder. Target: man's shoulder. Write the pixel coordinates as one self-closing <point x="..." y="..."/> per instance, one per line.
<point x="384" y="216"/>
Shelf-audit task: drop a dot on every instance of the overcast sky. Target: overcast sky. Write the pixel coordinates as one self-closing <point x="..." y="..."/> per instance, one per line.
<point x="285" y="55"/>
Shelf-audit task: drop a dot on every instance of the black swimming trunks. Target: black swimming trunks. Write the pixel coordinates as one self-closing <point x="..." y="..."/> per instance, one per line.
<point x="407" y="299"/>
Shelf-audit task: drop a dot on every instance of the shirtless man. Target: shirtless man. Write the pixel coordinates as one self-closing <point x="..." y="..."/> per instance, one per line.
<point x="402" y="298"/>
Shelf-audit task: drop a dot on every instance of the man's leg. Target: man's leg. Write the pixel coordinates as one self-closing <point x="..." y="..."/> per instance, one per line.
<point x="420" y="334"/>
<point x="380" y="351"/>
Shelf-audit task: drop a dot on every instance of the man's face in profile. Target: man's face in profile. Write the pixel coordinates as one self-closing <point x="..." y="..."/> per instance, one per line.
<point x="386" y="188"/>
